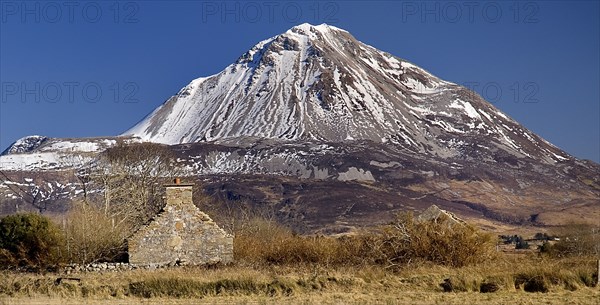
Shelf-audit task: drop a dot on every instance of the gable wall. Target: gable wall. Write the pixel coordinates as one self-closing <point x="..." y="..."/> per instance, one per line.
<point x="180" y="232"/>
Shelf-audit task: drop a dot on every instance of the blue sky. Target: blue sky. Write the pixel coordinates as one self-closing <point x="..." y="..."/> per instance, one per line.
<point x="95" y="68"/>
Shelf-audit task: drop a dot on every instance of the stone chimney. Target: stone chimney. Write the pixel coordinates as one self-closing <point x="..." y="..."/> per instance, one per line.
<point x="178" y="194"/>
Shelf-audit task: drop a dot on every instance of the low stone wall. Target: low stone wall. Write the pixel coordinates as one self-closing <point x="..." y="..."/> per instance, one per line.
<point x="116" y="267"/>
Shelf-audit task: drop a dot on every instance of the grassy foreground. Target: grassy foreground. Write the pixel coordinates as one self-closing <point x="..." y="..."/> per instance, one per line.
<point x="566" y="281"/>
<point x="404" y="262"/>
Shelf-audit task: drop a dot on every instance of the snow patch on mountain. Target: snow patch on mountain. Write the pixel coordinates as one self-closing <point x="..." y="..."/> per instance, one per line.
<point x="30" y="162"/>
<point x="43" y="153"/>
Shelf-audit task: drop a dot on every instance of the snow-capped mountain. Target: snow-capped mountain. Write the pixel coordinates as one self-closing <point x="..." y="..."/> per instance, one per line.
<point x="320" y="83"/>
<point x="331" y="134"/>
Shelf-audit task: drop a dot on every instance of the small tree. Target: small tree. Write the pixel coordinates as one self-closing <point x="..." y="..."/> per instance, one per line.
<point x="131" y="177"/>
<point x="29" y="240"/>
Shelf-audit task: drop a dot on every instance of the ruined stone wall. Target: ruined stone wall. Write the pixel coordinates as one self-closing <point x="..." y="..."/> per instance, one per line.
<point x="181" y="232"/>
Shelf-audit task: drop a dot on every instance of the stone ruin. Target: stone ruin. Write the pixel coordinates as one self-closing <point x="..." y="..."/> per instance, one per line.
<point x="180" y="234"/>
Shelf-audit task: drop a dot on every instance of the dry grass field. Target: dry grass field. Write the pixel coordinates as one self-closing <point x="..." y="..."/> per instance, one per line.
<point x="566" y="281"/>
<point x="406" y="262"/>
<point x="400" y="298"/>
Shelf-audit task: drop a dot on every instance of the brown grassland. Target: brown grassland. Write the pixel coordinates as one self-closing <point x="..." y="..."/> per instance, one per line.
<point x="568" y="282"/>
<point x="402" y="263"/>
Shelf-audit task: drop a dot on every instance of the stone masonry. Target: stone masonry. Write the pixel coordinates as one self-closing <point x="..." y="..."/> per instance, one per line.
<point x="180" y="233"/>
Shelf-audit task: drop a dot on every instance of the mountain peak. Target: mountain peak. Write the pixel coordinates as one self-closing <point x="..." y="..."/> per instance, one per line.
<point x="307" y="28"/>
<point x="319" y="83"/>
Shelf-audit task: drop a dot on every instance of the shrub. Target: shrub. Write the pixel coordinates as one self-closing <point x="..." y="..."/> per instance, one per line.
<point x="267" y="242"/>
<point x="30" y="240"/>
<point x="546" y="247"/>
<point x="440" y="242"/>
<point x="406" y="240"/>
<point x="521" y="244"/>
<point x="93" y="236"/>
<point x="518" y="240"/>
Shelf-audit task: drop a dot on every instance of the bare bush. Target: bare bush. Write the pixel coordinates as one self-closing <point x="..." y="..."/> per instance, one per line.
<point x="395" y="245"/>
<point x="407" y="239"/>
<point x="266" y="242"/>
<point x="93" y="236"/>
